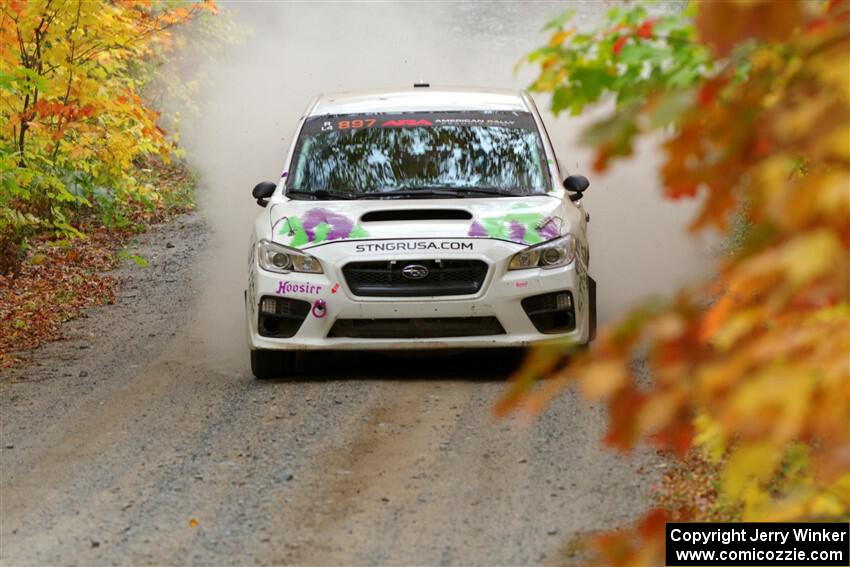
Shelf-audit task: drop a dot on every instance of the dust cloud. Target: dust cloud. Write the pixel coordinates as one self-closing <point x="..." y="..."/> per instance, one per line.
<point x="258" y="89"/>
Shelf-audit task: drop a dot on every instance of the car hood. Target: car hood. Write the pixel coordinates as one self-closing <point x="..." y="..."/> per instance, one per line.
<point x="523" y="220"/>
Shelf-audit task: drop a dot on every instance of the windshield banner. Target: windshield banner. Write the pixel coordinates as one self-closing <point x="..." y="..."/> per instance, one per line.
<point x="349" y="122"/>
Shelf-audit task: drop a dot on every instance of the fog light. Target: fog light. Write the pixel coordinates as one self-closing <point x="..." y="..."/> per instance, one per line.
<point x="268" y="305"/>
<point x="551" y="312"/>
<point x="563" y="301"/>
<point x="281" y="317"/>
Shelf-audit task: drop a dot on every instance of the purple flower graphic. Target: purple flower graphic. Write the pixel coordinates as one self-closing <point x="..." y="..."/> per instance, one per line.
<point x="517" y="231"/>
<point x="550" y="230"/>
<point x="340" y="225"/>
<point x="476" y="229"/>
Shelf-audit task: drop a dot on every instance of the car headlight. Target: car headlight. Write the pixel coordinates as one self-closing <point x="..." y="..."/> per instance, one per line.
<point x="277" y="258"/>
<point x="552" y="254"/>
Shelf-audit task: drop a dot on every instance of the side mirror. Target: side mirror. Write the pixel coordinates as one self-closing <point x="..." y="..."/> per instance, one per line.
<point x="577" y="185"/>
<point x="263" y="191"/>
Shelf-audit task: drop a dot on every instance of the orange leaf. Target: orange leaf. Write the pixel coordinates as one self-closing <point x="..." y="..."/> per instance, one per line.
<point x="716" y="317"/>
<point x="652" y="524"/>
<point x="602" y="379"/>
<point x="558" y="38"/>
<point x="722" y="25"/>
<point x="709" y="89"/>
<point x="619" y="44"/>
<point x="645" y="30"/>
<point x="622" y="409"/>
<point x="603" y="156"/>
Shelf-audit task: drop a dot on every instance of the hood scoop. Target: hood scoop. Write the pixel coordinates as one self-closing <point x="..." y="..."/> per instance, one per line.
<point x="416" y="215"/>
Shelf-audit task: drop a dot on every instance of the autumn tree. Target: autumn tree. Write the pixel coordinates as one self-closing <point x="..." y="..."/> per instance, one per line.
<point x="752" y="368"/>
<point x="73" y="120"/>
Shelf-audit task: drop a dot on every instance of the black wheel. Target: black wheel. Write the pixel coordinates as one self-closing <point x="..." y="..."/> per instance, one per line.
<point x="266" y="364"/>
<point x="591" y="298"/>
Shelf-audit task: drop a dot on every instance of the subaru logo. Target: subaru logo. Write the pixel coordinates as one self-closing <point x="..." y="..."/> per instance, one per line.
<point x="415" y="272"/>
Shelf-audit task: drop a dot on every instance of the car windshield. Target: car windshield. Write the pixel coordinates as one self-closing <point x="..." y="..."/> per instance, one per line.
<point x="441" y="153"/>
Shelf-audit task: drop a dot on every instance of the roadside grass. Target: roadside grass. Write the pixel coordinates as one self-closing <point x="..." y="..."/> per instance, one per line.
<point x="59" y="279"/>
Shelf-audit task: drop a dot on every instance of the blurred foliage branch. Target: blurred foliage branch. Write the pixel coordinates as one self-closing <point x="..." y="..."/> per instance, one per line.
<point x="753" y="368"/>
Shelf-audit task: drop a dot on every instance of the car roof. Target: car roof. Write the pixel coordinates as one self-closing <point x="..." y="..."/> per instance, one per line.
<point x="420" y="98"/>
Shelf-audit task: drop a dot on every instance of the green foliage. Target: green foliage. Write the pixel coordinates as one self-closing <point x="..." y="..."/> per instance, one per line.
<point x="633" y="56"/>
<point x="630" y="56"/>
<point x="138" y="260"/>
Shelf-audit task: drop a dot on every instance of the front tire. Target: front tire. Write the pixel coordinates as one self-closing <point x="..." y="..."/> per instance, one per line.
<point x="268" y="364"/>
<point x="591" y="292"/>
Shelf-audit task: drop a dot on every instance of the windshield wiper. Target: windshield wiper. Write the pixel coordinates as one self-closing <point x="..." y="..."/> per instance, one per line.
<point x="323" y="195"/>
<point x="494" y="191"/>
<point x="461" y="192"/>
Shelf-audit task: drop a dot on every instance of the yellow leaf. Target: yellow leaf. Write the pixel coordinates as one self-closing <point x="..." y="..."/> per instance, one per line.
<point x="807" y="257"/>
<point x="709" y="436"/>
<point x="748" y="467"/>
<point x="558" y="38"/>
<point x="601" y="379"/>
<point x="774" y="402"/>
<point x="738" y="325"/>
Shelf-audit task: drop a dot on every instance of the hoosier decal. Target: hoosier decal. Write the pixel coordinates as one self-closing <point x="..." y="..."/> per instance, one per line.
<point x="285" y="287"/>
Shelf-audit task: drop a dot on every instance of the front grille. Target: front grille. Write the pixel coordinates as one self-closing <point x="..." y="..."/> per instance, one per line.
<point x="385" y="278"/>
<point x="416" y="328"/>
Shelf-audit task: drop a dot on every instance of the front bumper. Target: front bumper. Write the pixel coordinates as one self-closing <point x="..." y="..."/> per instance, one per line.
<point x="499" y="297"/>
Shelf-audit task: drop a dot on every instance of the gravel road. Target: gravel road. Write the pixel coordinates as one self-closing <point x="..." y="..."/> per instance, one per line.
<point x="143" y="438"/>
<point x="133" y="443"/>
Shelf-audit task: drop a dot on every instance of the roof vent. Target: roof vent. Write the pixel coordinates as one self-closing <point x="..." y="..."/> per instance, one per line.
<point x="420" y="85"/>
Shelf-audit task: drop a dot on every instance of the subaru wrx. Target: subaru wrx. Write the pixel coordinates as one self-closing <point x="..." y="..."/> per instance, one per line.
<point x="413" y="219"/>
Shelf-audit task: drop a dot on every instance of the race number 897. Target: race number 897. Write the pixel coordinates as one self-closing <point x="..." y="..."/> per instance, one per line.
<point x="358" y="123"/>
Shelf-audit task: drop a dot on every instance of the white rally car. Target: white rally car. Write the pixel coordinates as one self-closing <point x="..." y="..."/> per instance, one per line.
<point x="418" y="218"/>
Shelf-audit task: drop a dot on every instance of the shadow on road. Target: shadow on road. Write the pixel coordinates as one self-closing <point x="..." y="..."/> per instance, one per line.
<point x="479" y="365"/>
